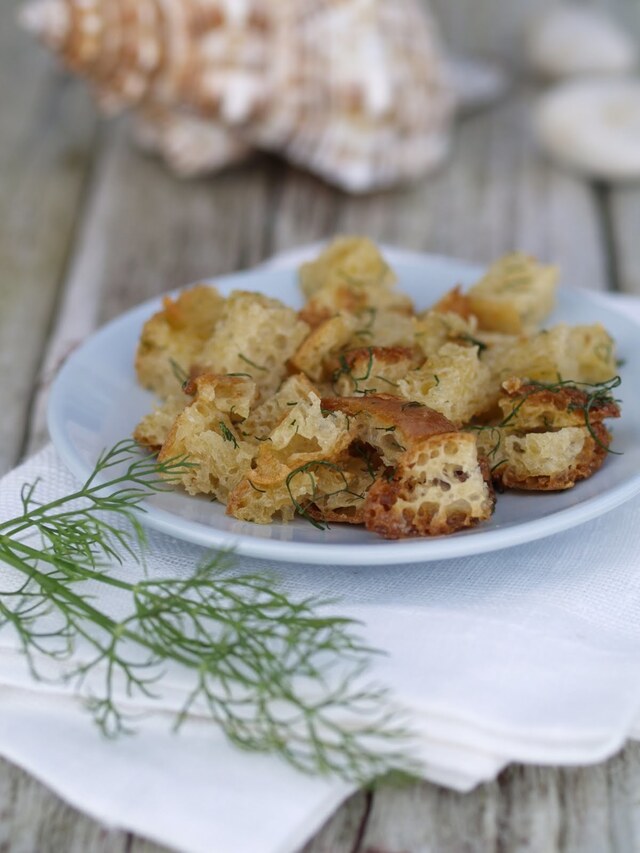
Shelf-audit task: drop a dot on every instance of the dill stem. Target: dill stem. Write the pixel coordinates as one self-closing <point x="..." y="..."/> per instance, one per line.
<point x="117" y="630"/>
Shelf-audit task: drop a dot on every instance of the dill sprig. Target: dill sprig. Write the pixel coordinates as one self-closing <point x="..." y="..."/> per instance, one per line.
<point x="276" y="675"/>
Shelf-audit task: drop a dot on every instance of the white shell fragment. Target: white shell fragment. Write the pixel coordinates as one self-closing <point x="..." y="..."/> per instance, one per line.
<point x="570" y="39"/>
<point x="357" y="91"/>
<point x="593" y="126"/>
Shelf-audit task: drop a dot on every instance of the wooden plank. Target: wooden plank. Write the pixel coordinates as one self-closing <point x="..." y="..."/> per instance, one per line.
<point x="624" y="212"/>
<point x="46" y="138"/>
<point x="342" y="834"/>
<point x="145" y="232"/>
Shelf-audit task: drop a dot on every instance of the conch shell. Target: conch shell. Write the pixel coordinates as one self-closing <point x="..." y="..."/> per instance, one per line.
<point x="356" y="91"/>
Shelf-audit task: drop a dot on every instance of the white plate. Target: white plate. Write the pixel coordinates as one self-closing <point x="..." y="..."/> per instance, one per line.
<point x="96" y="402"/>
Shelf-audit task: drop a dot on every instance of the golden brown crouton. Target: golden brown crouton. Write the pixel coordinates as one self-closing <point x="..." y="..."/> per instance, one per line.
<point x="153" y="430"/>
<point x="526" y="408"/>
<point x="172" y="339"/>
<point x="294" y="465"/>
<point x="454" y="382"/>
<point x="439" y="486"/>
<point x="350" y="276"/>
<point x="266" y="417"/>
<point x="454" y="302"/>
<point x="372" y="370"/>
<point x="434" y="329"/>
<point x="576" y="353"/>
<point x="255" y="336"/>
<point x="207" y="435"/>
<point x="551" y="461"/>
<point x="515" y="296"/>
<point x="325" y="341"/>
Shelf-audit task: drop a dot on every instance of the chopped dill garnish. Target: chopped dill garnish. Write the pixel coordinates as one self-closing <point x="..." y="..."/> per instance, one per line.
<point x="307" y="470"/>
<point x="253" y="486"/>
<point x="599" y="395"/>
<point x="179" y="372"/>
<point x="388" y="381"/>
<point x="245" y="375"/>
<point x="227" y="435"/>
<point x="346" y="370"/>
<point x="470" y="339"/>
<point x="251" y="363"/>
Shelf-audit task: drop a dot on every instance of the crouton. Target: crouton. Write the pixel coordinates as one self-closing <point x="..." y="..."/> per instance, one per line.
<point x="206" y="434"/>
<point x="454" y="382"/>
<point x="153" y="430"/>
<point x="295" y="465"/>
<point x="349" y="276"/>
<point x="440" y="486"/>
<point x="515" y="296"/>
<point x="172" y="339"/>
<point x="551" y="461"/>
<point x="255" y="336"/>
<point x="526" y="408"/>
<point x="370" y="370"/>
<point x="266" y="417"/>
<point x="323" y="344"/>
<point x="433" y="329"/>
<point x="575" y="353"/>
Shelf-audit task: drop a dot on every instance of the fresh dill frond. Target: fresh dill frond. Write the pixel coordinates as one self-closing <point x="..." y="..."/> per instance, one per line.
<point x="248" y="651"/>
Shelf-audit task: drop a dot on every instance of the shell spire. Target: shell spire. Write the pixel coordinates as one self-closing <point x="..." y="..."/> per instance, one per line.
<point x="354" y="90"/>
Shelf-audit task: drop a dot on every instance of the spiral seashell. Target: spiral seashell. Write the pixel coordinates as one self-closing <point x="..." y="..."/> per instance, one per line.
<point x="354" y="90"/>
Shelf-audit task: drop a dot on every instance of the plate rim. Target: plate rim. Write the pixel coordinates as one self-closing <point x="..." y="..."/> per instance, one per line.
<point x="378" y="553"/>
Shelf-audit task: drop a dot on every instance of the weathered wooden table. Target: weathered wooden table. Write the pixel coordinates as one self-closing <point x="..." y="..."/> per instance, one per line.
<point x="89" y="227"/>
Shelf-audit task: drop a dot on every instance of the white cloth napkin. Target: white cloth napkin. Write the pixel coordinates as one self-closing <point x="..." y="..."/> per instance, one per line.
<point x="532" y="655"/>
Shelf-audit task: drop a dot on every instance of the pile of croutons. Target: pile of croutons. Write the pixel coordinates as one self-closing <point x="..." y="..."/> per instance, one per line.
<point x="358" y="409"/>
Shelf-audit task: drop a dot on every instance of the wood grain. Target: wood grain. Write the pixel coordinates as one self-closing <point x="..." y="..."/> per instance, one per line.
<point x="46" y="138"/>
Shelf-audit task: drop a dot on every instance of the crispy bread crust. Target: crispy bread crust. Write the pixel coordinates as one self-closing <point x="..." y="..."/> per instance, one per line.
<point x="589" y="461"/>
<point x="415" y="422"/>
<point x="383" y="516"/>
<point x="564" y="399"/>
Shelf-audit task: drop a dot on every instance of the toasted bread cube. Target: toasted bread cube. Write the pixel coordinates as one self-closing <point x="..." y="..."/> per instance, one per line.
<point x="388" y="424"/>
<point x="206" y="434"/>
<point x="454" y="382"/>
<point x="266" y="417"/>
<point x="323" y="344"/>
<point x="384" y="328"/>
<point x="454" y="302"/>
<point x="515" y="296"/>
<point x="434" y="329"/>
<point x="372" y="370"/>
<point x="551" y="461"/>
<point x="526" y="408"/>
<point x="296" y="464"/>
<point x="255" y="336"/>
<point x="349" y="276"/>
<point x="440" y="486"/>
<point x="153" y="430"/>
<point x="172" y="339"/>
<point x="352" y="258"/>
<point x="563" y="353"/>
